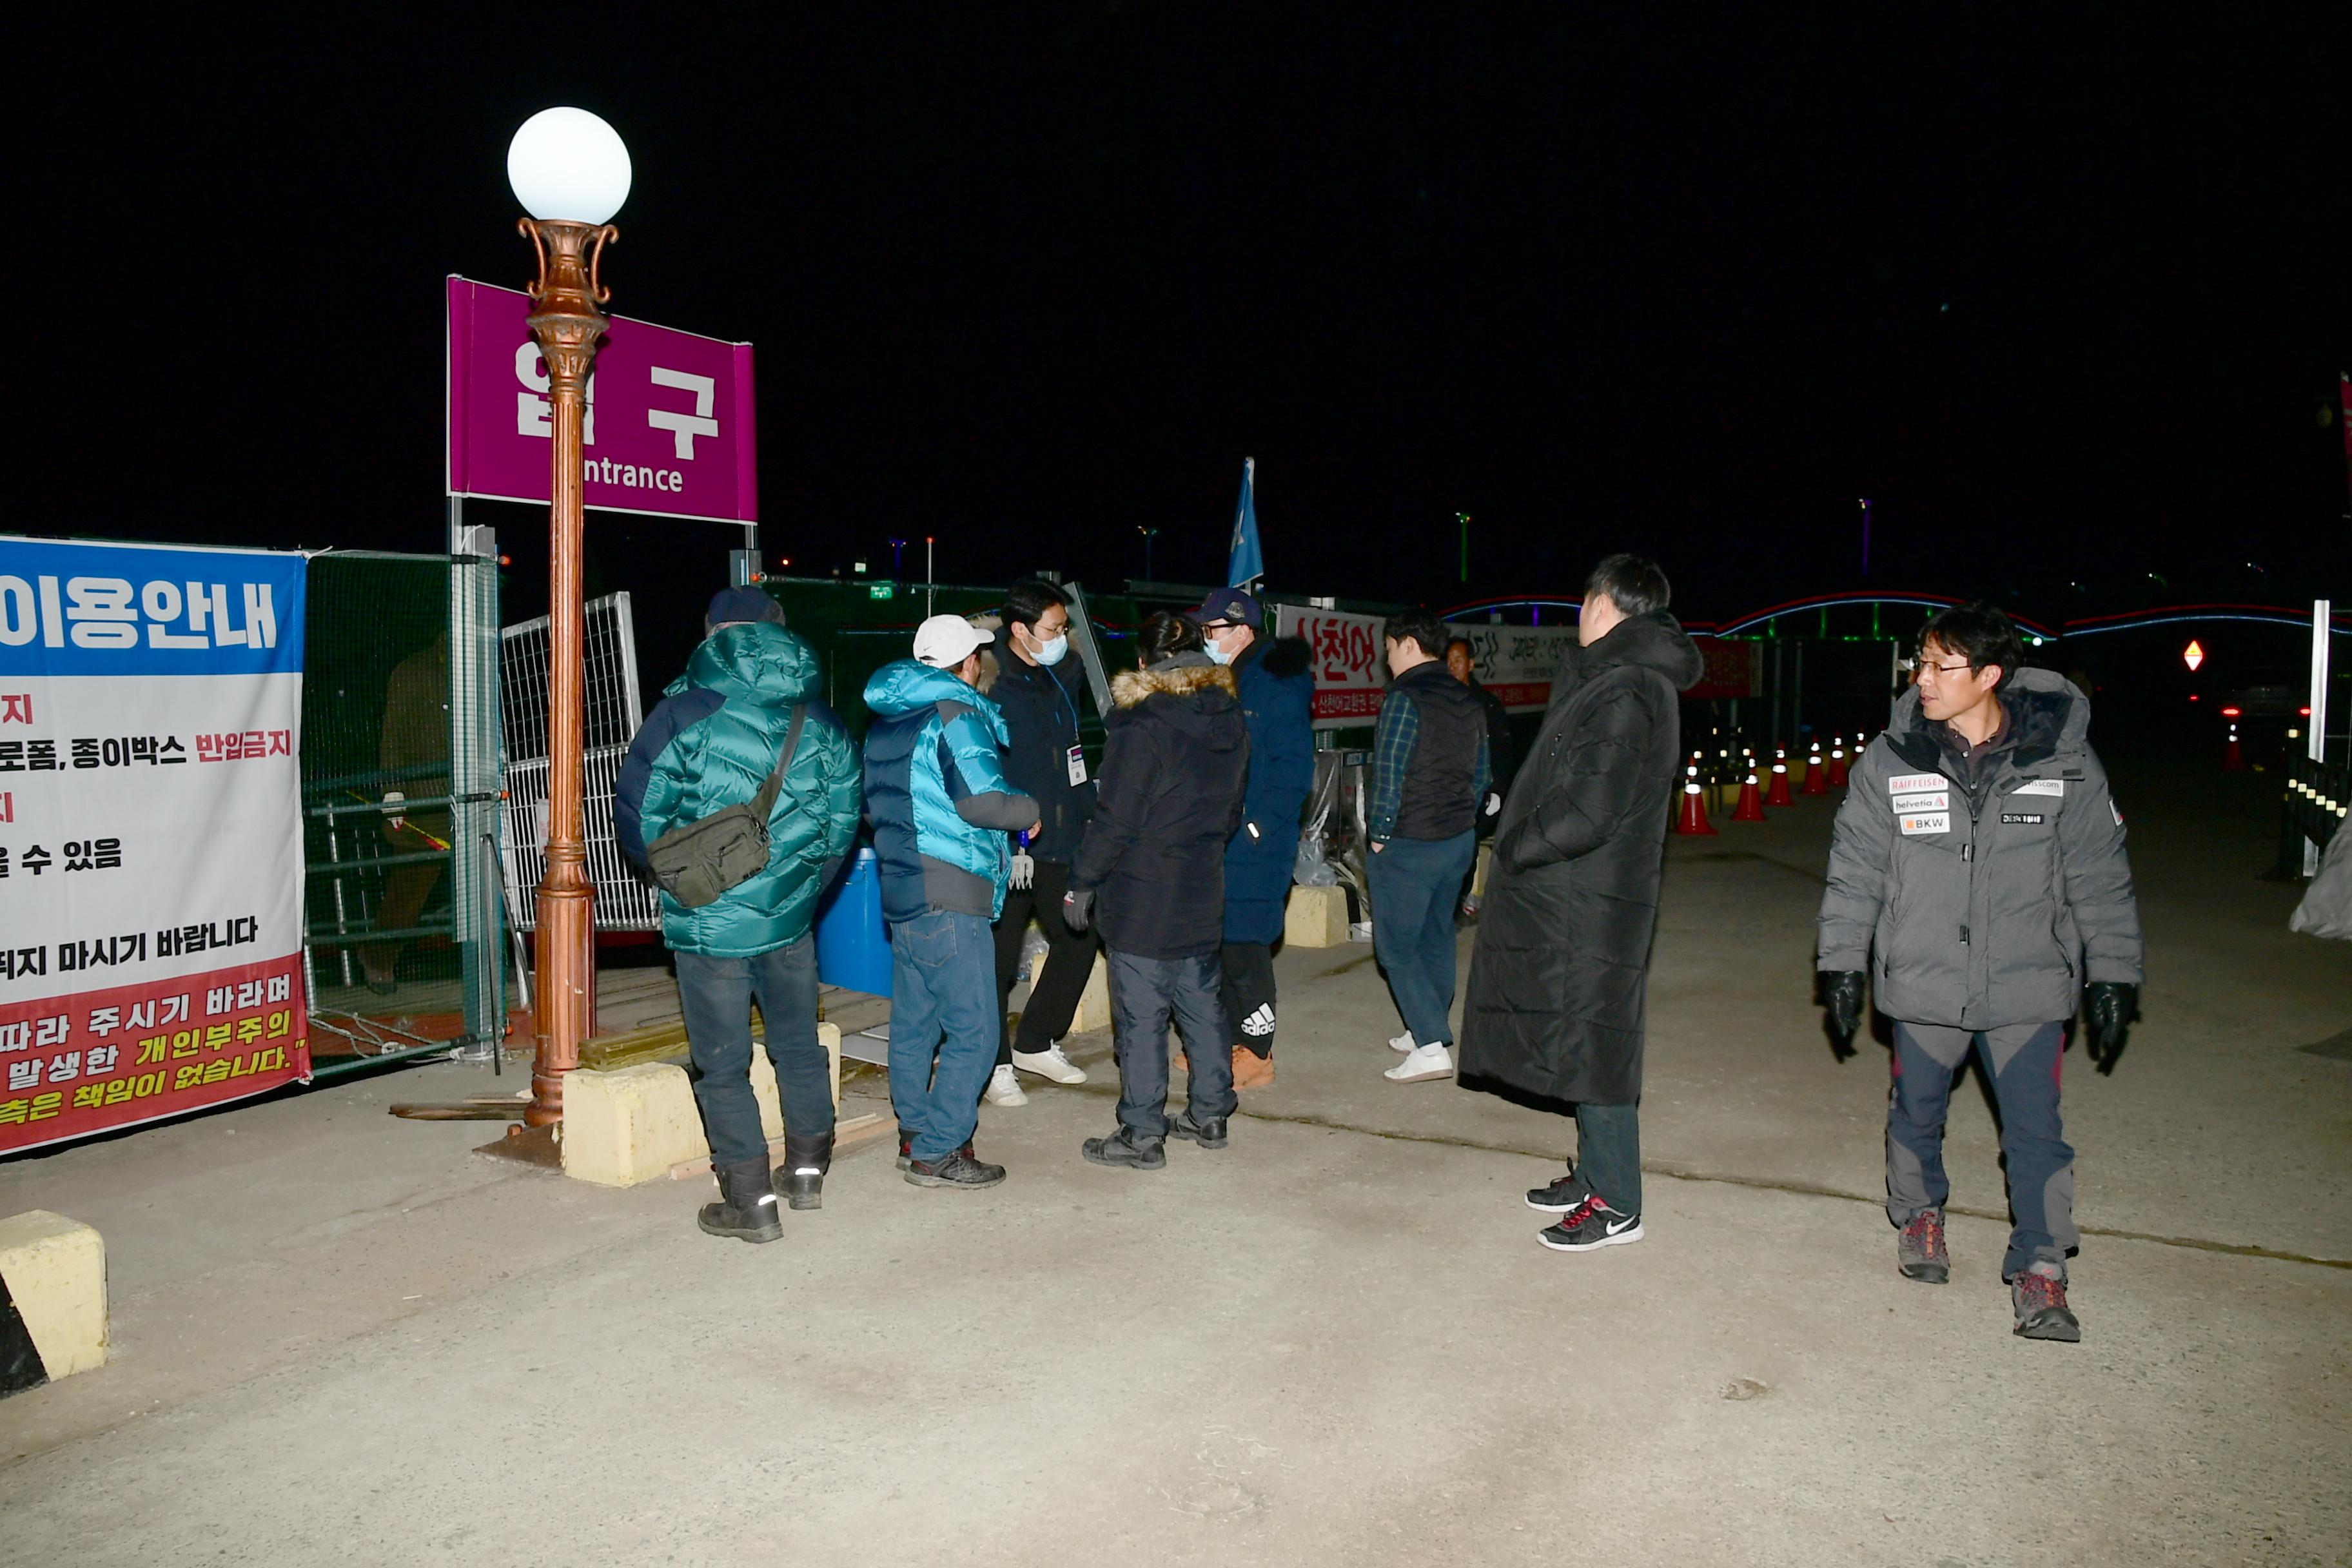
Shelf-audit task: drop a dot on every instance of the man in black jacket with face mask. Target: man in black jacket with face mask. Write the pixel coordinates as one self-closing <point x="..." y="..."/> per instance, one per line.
<point x="1040" y="699"/>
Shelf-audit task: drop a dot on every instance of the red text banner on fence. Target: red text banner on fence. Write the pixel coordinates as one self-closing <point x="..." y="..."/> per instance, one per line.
<point x="151" y="846"/>
<point x="1350" y="665"/>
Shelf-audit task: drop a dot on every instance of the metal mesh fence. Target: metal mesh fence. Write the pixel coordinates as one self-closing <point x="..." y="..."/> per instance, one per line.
<point x="399" y="789"/>
<point x="624" y="901"/>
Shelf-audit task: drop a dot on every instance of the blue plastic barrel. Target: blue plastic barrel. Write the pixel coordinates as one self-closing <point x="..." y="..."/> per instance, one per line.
<point x="853" y="946"/>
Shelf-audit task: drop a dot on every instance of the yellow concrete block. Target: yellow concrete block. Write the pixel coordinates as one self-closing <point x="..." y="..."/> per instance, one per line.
<point x="1093" y="1002"/>
<point x="1318" y="917"/>
<point x="631" y="1124"/>
<point x="56" y="1269"/>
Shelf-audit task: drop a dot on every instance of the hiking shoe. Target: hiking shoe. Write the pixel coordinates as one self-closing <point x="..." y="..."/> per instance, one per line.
<point x="746" y="1208"/>
<point x="1401" y="1042"/>
<point x="1919" y="1250"/>
<point x="956" y="1170"/>
<point x="1003" y="1088"/>
<point x="1251" y="1070"/>
<point x="1129" y="1149"/>
<point x="1049" y="1063"/>
<point x="1562" y="1196"/>
<point x="906" y="1149"/>
<point x="1208" y="1134"/>
<point x="2040" y="1299"/>
<point x="1421" y="1064"/>
<point x="1590" y="1223"/>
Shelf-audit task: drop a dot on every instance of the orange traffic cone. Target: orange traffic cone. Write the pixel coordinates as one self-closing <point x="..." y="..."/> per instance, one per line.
<point x="1693" y="820"/>
<point x="1778" y="795"/>
<point x="2233" y="755"/>
<point x="1837" y="764"/>
<point x="1751" y="801"/>
<point x="1817" y="778"/>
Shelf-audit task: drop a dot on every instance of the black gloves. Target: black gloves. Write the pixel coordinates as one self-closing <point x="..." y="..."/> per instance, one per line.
<point x="2110" y="1006"/>
<point x="1078" y="909"/>
<point x="1842" y="995"/>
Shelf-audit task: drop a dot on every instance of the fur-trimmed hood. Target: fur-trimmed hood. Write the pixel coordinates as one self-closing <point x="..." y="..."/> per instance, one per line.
<point x="1173" y="676"/>
<point x="1190" y="691"/>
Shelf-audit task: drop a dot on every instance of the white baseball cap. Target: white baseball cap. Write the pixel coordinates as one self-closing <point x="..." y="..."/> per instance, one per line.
<point x="947" y="640"/>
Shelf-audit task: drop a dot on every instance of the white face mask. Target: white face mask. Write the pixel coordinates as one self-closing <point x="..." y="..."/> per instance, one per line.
<point x="1050" y="653"/>
<point x="1217" y="653"/>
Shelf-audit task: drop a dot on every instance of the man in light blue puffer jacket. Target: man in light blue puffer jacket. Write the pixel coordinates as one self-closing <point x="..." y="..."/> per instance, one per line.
<point x="936" y="792"/>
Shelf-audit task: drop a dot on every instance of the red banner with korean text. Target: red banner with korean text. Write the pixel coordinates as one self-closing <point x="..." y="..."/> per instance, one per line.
<point x="150" y="848"/>
<point x="1732" y="670"/>
<point x="1350" y="664"/>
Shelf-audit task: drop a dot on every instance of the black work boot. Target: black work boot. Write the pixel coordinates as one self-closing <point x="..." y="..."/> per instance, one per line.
<point x="806" y="1161"/>
<point x="1208" y="1134"/>
<point x="747" y="1205"/>
<point x="1127" y="1148"/>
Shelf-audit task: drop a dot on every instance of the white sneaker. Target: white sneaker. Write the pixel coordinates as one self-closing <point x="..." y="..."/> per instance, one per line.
<point x="1401" y="1042"/>
<point x="1003" y="1088"/>
<point x="1049" y="1063"/>
<point x="1420" y="1063"/>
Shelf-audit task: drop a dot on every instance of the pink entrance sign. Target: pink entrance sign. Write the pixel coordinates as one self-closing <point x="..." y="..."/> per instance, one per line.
<point x="669" y="413"/>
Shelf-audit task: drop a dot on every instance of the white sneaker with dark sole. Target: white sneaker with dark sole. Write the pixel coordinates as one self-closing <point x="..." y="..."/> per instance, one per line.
<point x="1050" y="1063"/>
<point x="1003" y="1088"/>
<point x="1421" y="1064"/>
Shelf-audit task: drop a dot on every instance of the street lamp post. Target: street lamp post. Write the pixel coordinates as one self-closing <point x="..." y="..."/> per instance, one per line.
<point x="570" y="173"/>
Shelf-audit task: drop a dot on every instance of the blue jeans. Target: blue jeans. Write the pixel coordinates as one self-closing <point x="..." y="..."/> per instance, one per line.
<point x="2023" y="1060"/>
<point x="715" y="994"/>
<point x="1609" y="1153"/>
<point x="1145" y="993"/>
<point x="943" y="1028"/>
<point x="1414" y="883"/>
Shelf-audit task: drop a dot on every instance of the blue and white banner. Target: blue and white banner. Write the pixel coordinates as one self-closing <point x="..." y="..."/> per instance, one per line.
<point x="151" y="831"/>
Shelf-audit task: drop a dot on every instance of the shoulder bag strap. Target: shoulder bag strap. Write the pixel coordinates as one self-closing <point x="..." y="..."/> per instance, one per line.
<point x="765" y="802"/>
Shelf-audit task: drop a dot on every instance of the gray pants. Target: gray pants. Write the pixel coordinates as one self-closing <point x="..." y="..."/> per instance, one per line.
<point x="2023" y="1060"/>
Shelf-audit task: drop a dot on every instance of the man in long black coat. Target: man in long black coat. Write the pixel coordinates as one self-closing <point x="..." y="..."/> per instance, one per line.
<point x="1560" y="968"/>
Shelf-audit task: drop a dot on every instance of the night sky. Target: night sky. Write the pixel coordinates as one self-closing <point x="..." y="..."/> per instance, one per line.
<point x="2066" y="300"/>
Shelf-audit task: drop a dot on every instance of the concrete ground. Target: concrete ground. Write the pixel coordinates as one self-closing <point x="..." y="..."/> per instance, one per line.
<point x="342" y="1336"/>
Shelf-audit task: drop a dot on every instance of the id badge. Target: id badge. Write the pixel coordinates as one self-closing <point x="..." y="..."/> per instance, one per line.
<point x="1077" y="765"/>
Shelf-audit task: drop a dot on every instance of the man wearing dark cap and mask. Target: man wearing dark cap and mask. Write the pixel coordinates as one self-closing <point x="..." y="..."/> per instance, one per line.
<point x="1277" y="696"/>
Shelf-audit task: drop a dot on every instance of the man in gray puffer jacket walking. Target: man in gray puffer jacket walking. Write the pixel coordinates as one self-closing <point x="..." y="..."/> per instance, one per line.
<point x="1979" y="851"/>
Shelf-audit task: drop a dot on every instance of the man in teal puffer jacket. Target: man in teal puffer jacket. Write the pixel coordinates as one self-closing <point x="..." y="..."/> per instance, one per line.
<point x="936" y="791"/>
<point x="711" y="743"/>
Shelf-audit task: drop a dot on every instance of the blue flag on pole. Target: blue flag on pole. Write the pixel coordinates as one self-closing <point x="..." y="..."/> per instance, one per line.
<point x="1244" y="562"/>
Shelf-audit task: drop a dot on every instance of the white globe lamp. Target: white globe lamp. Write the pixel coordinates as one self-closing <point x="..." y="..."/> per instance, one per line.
<point x="566" y="165"/>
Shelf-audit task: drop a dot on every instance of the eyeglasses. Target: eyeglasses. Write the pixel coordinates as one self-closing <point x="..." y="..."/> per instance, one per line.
<point x="1922" y="668"/>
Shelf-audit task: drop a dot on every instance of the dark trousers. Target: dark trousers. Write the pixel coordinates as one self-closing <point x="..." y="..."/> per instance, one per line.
<point x="1247" y="992"/>
<point x="715" y="995"/>
<point x="1060" y="981"/>
<point x="2023" y="1061"/>
<point x="939" y="1051"/>
<point x="1145" y="994"/>
<point x="1414" y="882"/>
<point x="1609" y="1153"/>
